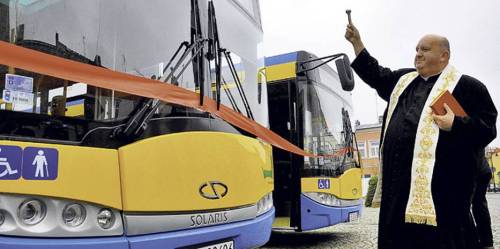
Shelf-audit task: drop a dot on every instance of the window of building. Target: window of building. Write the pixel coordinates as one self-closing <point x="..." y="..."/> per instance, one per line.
<point x="374" y="148"/>
<point x="362" y="149"/>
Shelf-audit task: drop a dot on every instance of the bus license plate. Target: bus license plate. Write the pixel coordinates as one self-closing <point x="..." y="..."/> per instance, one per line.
<point x="353" y="217"/>
<point x="225" y="245"/>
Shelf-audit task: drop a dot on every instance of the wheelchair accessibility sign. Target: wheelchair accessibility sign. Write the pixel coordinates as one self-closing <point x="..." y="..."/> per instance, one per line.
<point x="32" y="163"/>
<point x="10" y="162"/>
<point x="323" y="183"/>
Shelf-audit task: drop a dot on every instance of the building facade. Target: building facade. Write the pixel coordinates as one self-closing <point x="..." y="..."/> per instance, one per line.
<point x="368" y="140"/>
<point x="493" y="157"/>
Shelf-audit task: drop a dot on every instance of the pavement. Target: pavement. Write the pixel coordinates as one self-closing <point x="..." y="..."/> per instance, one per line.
<point x="360" y="235"/>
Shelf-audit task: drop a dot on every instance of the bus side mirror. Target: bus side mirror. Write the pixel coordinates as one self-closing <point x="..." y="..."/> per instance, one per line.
<point x="345" y="73"/>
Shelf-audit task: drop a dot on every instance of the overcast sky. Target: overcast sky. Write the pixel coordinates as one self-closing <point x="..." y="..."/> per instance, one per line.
<point x="390" y="30"/>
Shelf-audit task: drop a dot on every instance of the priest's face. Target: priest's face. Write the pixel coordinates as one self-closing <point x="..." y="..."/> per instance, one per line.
<point x="431" y="57"/>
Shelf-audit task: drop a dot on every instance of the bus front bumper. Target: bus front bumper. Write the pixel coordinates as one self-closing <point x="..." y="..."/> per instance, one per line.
<point x="245" y="234"/>
<point x="315" y="215"/>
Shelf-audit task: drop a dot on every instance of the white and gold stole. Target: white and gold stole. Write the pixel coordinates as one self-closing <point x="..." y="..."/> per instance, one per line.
<point x="420" y="208"/>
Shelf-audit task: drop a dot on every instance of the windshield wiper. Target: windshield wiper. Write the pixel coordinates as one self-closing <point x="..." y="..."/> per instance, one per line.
<point x="230" y="96"/>
<point x="237" y="81"/>
<point x="139" y="121"/>
<point x="215" y="53"/>
<point x="133" y="125"/>
<point x="197" y="58"/>
<point x="194" y="48"/>
<point x="187" y="48"/>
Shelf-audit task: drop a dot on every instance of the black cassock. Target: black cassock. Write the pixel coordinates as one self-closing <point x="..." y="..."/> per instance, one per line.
<point x="458" y="154"/>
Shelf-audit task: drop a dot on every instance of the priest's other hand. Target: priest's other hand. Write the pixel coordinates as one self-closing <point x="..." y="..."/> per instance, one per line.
<point x="445" y="122"/>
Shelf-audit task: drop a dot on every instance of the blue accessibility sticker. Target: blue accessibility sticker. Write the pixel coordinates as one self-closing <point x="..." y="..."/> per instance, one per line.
<point x="323" y="183"/>
<point x="10" y="162"/>
<point x="18" y="83"/>
<point x="40" y="163"/>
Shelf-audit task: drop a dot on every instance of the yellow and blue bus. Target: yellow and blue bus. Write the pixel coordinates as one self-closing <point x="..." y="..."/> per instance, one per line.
<point x="121" y="171"/>
<point x="309" y="106"/>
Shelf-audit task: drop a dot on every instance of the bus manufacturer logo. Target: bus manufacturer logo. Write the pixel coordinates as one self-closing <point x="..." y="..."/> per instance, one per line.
<point x="213" y="190"/>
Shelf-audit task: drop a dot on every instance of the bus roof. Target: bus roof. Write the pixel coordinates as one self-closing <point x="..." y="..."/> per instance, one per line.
<point x="283" y="66"/>
<point x="294" y="57"/>
<point x="281" y="59"/>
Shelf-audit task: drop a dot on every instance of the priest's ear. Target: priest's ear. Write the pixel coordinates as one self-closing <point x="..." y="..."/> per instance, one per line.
<point x="445" y="55"/>
<point x="445" y="49"/>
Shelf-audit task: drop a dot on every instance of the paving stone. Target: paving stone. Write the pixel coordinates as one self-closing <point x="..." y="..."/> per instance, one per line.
<point x="360" y="235"/>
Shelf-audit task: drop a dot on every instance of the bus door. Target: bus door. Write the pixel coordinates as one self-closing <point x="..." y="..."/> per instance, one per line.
<point x="282" y="120"/>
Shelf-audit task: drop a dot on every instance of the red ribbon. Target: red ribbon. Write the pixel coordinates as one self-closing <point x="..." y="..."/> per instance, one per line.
<point x="31" y="60"/>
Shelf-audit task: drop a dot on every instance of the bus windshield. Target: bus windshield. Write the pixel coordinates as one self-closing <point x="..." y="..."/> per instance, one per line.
<point x="324" y="129"/>
<point x="126" y="36"/>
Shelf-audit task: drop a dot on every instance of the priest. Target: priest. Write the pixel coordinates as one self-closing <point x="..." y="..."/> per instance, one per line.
<point x="428" y="161"/>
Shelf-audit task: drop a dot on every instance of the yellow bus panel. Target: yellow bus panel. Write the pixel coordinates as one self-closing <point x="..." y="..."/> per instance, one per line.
<point x="347" y="186"/>
<point x="84" y="173"/>
<point x="174" y="172"/>
<point x="75" y="110"/>
<point x="280" y="71"/>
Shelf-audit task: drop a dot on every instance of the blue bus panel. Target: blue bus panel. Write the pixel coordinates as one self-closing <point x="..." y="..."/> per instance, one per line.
<point x="245" y="234"/>
<point x="315" y="215"/>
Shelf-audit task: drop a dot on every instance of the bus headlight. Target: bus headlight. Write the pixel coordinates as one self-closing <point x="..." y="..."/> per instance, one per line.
<point x="46" y="217"/>
<point x="105" y="218"/>
<point x="31" y="212"/>
<point x="324" y="198"/>
<point x="265" y="204"/>
<point x="74" y="214"/>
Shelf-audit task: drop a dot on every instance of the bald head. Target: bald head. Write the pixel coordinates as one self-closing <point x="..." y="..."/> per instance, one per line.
<point x="439" y="40"/>
<point x="433" y="54"/>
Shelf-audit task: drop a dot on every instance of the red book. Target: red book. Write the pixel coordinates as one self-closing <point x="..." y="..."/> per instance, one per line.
<point x="437" y="105"/>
